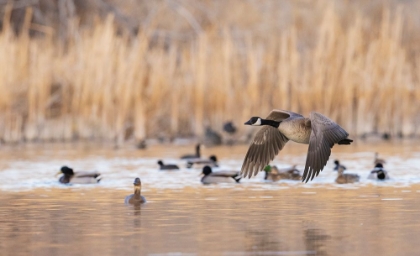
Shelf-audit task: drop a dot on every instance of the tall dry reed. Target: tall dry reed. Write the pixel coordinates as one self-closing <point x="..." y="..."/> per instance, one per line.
<point x="103" y="84"/>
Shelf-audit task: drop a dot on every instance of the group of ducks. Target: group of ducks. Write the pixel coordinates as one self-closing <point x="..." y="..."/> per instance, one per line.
<point x="271" y="173"/>
<point x="209" y="176"/>
<point x="378" y="172"/>
<point x="69" y="176"/>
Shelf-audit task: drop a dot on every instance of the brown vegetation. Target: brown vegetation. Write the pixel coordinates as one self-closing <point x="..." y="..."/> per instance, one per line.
<point x="181" y="70"/>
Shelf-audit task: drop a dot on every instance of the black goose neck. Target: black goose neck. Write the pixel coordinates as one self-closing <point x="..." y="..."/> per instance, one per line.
<point x="270" y="123"/>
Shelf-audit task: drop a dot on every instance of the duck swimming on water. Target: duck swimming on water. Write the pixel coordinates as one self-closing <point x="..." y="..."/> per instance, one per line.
<point x="211" y="177"/>
<point x="274" y="174"/>
<point x="344" y="178"/>
<point x="378" y="173"/>
<point x="69" y="176"/>
<point x="136" y="198"/>
<point x="163" y="166"/>
<point x="280" y="126"/>
<point x="196" y="155"/>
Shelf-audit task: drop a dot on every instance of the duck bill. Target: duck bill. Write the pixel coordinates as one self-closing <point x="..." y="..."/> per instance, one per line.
<point x="58" y="173"/>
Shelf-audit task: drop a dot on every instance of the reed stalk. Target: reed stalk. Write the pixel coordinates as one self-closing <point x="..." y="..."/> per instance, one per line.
<point x="104" y="84"/>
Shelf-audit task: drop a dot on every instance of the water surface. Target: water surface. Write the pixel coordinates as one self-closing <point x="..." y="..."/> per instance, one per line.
<point x="39" y="216"/>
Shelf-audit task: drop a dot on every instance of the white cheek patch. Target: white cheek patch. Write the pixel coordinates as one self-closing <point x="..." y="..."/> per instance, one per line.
<point x="258" y="122"/>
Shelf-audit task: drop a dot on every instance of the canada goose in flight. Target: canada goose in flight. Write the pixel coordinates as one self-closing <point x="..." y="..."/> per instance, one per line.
<point x="69" y="176"/>
<point x="197" y="153"/>
<point x="211" y="177"/>
<point x="135" y="198"/>
<point x="338" y="165"/>
<point x="344" y="178"/>
<point x="280" y="126"/>
<point x="211" y="161"/>
<point x="274" y="174"/>
<point x="378" y="173"/>
<point x="167" y="166"/>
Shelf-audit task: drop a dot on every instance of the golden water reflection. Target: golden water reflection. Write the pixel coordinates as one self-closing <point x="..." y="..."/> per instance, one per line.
<point x="212" y="221"/>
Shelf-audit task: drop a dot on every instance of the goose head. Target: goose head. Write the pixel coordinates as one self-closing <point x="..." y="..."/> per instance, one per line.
<point x="255" y="121"/>
<point x="160" y="162"/>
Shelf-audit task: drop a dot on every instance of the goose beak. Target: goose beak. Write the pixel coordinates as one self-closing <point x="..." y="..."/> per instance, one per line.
<point x="58" y="173"/>
<point x="248" y="122"/>
<point x="201" y="174"/>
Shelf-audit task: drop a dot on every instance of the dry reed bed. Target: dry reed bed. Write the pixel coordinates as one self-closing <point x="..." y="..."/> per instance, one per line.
<point x="104" y="85"/>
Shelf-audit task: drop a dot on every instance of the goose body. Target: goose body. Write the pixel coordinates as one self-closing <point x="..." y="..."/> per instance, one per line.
<point x="274" y="174"/>
<point x="280" y="126"/>
<point x="136" y="198"/>
<point x="344" y="178"/>
<point x="378" y="173"/>
<point x="211" y="177"/>
<point x="69" y="176"/>
<point x="194" y="156"/>
<point x="212" y="161"/>
<point x="163" y="166"/>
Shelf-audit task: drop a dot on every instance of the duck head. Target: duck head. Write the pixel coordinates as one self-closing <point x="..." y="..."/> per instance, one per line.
<point x="267" y="170"/>
<point x="137" y="182"/>
<point x="66" y="171"/>
<point x="160" y="162"/>
<point x="206" y="170"/>
<point x="213" y="158"/>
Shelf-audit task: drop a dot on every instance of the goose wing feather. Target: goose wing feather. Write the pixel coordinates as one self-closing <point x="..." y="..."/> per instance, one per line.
<point x="325" y="133"/>
<point x="266" y="145"/>
<point x="280" y="115"/>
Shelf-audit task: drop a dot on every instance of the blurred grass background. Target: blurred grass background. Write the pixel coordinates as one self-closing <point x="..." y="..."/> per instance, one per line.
<point x="128" y="70"/>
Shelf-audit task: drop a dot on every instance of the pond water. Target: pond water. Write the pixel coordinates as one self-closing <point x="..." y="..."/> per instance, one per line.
<point x="40" y="216"/>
